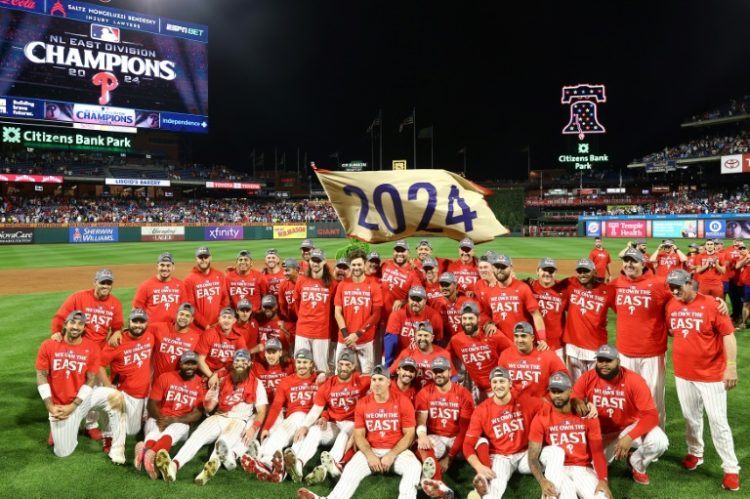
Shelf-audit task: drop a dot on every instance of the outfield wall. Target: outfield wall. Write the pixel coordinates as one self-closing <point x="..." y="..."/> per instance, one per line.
<point x="712" y="225"/>
<point x="123" y="233"/>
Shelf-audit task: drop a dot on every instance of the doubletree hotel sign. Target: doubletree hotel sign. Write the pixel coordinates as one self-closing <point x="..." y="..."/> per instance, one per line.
<point x="583" y="121"/>
<point x="60" y="138"/>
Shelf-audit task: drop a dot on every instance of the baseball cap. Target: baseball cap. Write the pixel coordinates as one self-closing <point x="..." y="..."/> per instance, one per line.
<point x="448" y="277"/>
<point x="244" y="304"/>
<point x="585" y="263"/>
<point x="342" y="262"/>
<point x="401" y="243"/>
<point x="424" y="242"/>
<point x="429" y="263"/>
<point x="138" y="313"/>
<point x="546" y="263"/>
<point x="291" y="263"/>
<point x="639" y="241"/>
<point x="317" y="253"/>
<point x="424" y="326"/>
<point x="408" y="362"/>
<point x="187" y="307"/>
<point x="741" y="246"/>
<point x="272" y="251"/>
<point x="373" y="255"/>
<point x="466" y="243"/>
<point x="165" y="257"/>
<point x="104" y="275"/>
<point x="633" y="254"/>
<point x="273" y="344"/>
<point x="268" y="301"/>
<point x="523" y="327"/>
<point x="678" y="277"/>
<point x="503" y="260"/>
<point x="244" y="253"/>
<point x="242" y="353"/>
<point x="470" y="307"/>
<point x="490" y="257"/>
<point x="381" y="370"/>
<point x="607" y="352"/>
<point x="440" y="364"/>
<point x="559" y="381"/>
<point x="417" y="292"/>
<point x="203" y="250"/>
<point x="667" y="242"/>
<point x="189" y="356"/>
<point x="500" y="372"/>
<point x="76" y="315"/>
<point x="694" y="246"/>
<point x="347" y="355"/>
<point x="227" y="311"/>
<point x="307" y="243"/>
<point x="303" y="353"/>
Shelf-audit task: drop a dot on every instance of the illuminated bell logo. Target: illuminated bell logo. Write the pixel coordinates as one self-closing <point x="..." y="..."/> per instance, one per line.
<point x="583" y="148"/>
<point x="583" y="100"/>
<point x="12" y="135"/>
<point x="108" y="82"/>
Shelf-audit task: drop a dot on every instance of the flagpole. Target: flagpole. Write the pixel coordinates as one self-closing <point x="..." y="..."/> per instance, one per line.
<point x="380" y="115"/>
<point x="414" y="134"/>
<point x="372" y="148"/>
<point x="432" y="148"/>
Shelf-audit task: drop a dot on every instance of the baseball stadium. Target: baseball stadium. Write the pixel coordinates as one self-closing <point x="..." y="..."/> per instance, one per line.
<point x="215" y="304"/>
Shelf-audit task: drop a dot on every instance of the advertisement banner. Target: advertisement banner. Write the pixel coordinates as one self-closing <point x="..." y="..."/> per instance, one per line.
<point x="36" y="179"/>
<point x="16" y="236"/>
<point x="593" y="229"/>
<point x="715" y="228"/>
<point x="734" y="228"/>
<point x="675" y="228"/>
<point x="735" y="163"/>
<point x="233" y="185"/>
<point x="162" y="233"/>
<point x="629" y="228"/>
<point x="93" y="234"/>
<point x="290" y="231"/>
<point x="223" y="233"/>
<point x="141" y="182"/>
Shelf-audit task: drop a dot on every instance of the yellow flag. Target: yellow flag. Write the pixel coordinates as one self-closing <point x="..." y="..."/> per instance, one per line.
<point x="383" y="206"/>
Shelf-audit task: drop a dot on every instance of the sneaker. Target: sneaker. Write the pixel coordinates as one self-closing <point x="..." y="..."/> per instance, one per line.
<point x="480" y="485"/>
<point x="94" y="434"/>
<point x="106" y="444"/>
<point x="317" y="475"/>
<point x="278" y="473"/>
<point x="226" y="456"/>
<point x="690" y="462"/>
<point x="50" y="440"/>
<point x="166" y="466"/>
<point x="436" y="488"/>
<point x="149" y="458"/>
<point x="330" y="464"/>
<point x="209" y="471"/>
<point x="293" y="465"/>
<point x="731" y="482"/>
<point x="428" y="468"/>
<point x="306" y="494"/>
<point x="140" y="450"/>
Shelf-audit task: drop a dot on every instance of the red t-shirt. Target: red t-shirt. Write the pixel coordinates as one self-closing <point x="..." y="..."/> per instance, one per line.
<point x="67" y="366"/>
<point x="423" y="360"/>
<point x="249" y="332"/>
<point x="508" y="306"/>
<point x="271" y="376"/>
<point x="101" y="315"/>
<point x="169" y="345"/>
<point x="479" y="354"/>
<point x="384" y="422"/>
<point x="601" y="259"/>
<point x="666" y="262"/>
<point x="270" y="328"/>
<point x="314" y="309"/>
<point x="130" y="364"/>
<point x="219" y="347"/>
<point x="287" y="307"/>
<point x="698" y="345"/>
<point x="586" y="321"/>
<point x="710" y="276"/>
<point x="295" y="394"/>
<point x="340" y="397"/>
<point x="552" y="304"/>
<point x="450" y="312"/>
<point x="274" y="280"/>
<point x="251" y="286"/>
<point x="160" y="299"/>
<point x="207" y="293"/>
<point x="177" y="396"/>
<point x="358" y="302"/>
<point x="466" y="274"/>
<point x="445" y="410"/>
<point x="530" y="372"/>
<point x="403" y="323"/>
<point x="639" y="305"/>
<point x="246" y="392"/>
<point x="396" y="282"/>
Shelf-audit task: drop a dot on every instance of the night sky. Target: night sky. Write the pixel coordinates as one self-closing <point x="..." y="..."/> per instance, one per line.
<point x="488" y="76"/>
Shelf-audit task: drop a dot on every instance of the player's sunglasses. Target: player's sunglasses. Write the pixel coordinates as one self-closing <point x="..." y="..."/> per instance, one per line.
<point x="416" y="299"/>
<point x="549" y="270"/>
<point x="203" y="257"/>
<point x="316" y="260"/>
<point x="399" y="250"/>
<point x="106" y="283"/>
<point x="465" y="250"/>
<point x="500" y="266"/>
<point x="583" y="271"/>
<point x="445" y="284"/>
<point x="306" y="250"/>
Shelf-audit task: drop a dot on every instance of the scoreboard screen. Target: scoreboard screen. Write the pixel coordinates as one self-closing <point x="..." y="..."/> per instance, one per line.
<point x="76" y="62"/>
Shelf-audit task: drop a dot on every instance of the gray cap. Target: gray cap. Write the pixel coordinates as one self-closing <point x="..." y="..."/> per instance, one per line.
<point x="667" y="242"/>
<point x="272" y="251"/>
<point x="373" y="255"/>
<point x="187" y="307"/>
<point x="639" y="241"/>
<point x="244" y="253"/>
<point x="429" y="262"/>
<point x="244" y="304"/>
<point x="307" y="243"/>
<point x="417" y="291"/>
<point x="401" y="243"/>
<point x="269" y="301"/>
<point x="138" y="313"/>
<point x="189" y="356"/>
<point x="424" y="326"/>
<point x="303" y="353"/>
<point x="291" y="263"/>
<point x="500" y="372"/>
<point x="104" y="275"/>
<point x="466" y="243"/>
<point x="424" y="242"/>
<point x="347" y="355"/>
<point x="165" y="257"/>
<point x="342" y="262"/>
<point x="679" y="277"/>
<point x="490" y="257"/>
<point x="585" y="263"/>
<point x="317" y="253"/>
<point x="523" y="327"/>
<point x="503" y="260"/>
<point x="408" y="362"/>
<point x="440" y="364"/>
<point x="242" y="353"/>
<point x="634" y="254"/>
<point x="76" y="315"/>
<point x="203" y="250"/>
<point x="560" y="381"/>
<point x="694" y="246"/>
<point x="448" y="277"/>
<point x="273" y="343"/>
<point x="381" y="370"/>
<point x="470" y="307"/>
<point x="227" y="311"/>
<point x="607" y="352"/>
<point x="547" y="262"/>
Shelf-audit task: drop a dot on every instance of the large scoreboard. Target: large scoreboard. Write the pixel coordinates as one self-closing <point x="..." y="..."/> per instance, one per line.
<point x="90" y="65"/>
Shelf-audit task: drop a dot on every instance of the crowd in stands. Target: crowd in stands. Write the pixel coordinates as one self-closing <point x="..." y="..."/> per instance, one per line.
<point x="68" y="210"/>
<point x="709" y="145"/>
<point x="678" y="203"/>
<point x="735" y="107"/>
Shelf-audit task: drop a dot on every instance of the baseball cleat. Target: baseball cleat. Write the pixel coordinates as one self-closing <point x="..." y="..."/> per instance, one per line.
<point x="480" y="485"/>
<point x="317" y="475"/>
<point x="329" y="463"/>
<point x="117" y="455"/>
<point x="94" y="434"/>
<point x="731" y="482"/>
<point x="638" y="477"/>
<point x="209" y="471"/>
<point x="225" y="455"/>
<point x="106" y="444"/>
<point x="293" y="465"/>
<point x="253" y="450"/>
<point x="277" y="467"/>
<point x="165" y="466"/>
<point x="149" y="458"/>
<point x="690" y="462"/>
<point x="428" y="468"/>
<point x="140" y="450"/>
<point x="306" y="494"/>
<point x="436" y="488"/>
<point x="248" y="464"/>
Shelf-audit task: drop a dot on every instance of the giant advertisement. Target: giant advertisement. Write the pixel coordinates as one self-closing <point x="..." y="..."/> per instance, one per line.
<point x="16" y="236"/>
<point x="626" y="228"/>
<point x="224" y="233"/>
<point x="70" y="61"/>
<point x="675" y="228"/>
<point x="290" y="231"/>
<point x="739" y="228"/>
<point x="93" y="234"/>
<point x="162" y="233"/>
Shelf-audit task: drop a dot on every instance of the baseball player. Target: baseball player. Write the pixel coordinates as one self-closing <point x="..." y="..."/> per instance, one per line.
<point x="580" y="438"/>
<point x="161" y="294"/>
<point x="236" y="399"/>
<point x="246" y="325"/>
<point x="65" y="375"/>
<point x="398" y="277"/>
<point x="694" y="251"/>
<point x="205" y="289"/>
<point x="404" y="382"/>
<point x="497" y="440"/>
<point x="273" y="272"/>
<point x="172" y="340"/>
<point x="601" y="259"/>
<point x="402" y="324"/>
<point x="553" y="300"/>
<point x="423" y="353"/>
<point x="313" y="295"/>
<point x="217" y="345"/>
<point x="443" y="413"/>
<point x="464" y="268"/>
<point x="130" y="369"/>
<point x="358" y="305"/>
<point x="373" y="265"/>
<point x="429" y="268"/>
<point x="244" y="282"/>
<point x="742" y="266"/>
<point x="424" y="251"/>
<point x="342" y="269"/>
<point x="305" y="249"/>
<point x="732" y="284"/>
<point x="270" y="325"/>
<point x="384" y="427"/>
<point x="175" y="402"/>
<point x="295" y="395"/>
<point x="529" y="368"/>
<point x="449" y="304"/>
<point x="287" y="307"/>
<point x="337" y="396"/>
<point x="667" y="257"/>
<point x="273" y="367"/>
<point x="638" y="245"/>
<point x="704" y="355"/>
<point x="710" y="267"/>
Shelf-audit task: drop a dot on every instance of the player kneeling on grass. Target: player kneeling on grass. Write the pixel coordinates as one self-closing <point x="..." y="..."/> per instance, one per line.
<point x="383" y="431"/>
<point x="65" y="374"/>
<point x="237" y="396"/>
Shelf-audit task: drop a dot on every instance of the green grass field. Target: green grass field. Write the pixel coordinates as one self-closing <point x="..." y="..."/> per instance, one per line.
<point x="29" y="469"/>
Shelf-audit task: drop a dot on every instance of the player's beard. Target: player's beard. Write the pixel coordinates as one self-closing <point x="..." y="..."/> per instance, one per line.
<point x="470" y="329"/>
<point x="611" y="375"/>
<point x="239" y="375"/>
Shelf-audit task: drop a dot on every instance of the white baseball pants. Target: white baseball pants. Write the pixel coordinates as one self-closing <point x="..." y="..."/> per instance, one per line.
<point x="653" y="370"/>
<point x="176" y="431"/>
<point x="579" y="360"/>
<point x="335" y="432"/>
<point x="135" y="410"/>
<point x="230" y="429"/>
<point x="365" y="355"/>
<point x="281" y="437"/>
<point x="319" y="349"/>
<point x="580" y="482"/>
<point x="551" y="457"/>
<point x="648" y="448"/>
<point x="406" y="464"/>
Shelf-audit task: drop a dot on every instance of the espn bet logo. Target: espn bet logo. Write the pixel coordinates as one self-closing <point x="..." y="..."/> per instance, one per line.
<point x="11" y="135"/>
